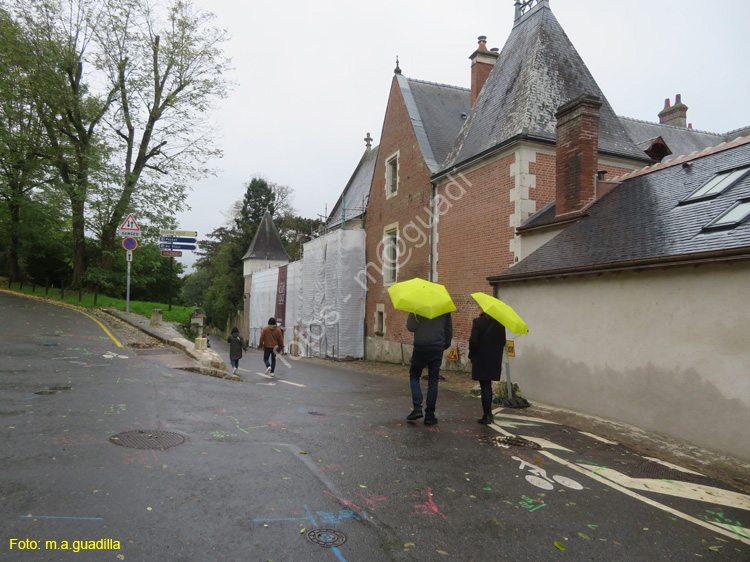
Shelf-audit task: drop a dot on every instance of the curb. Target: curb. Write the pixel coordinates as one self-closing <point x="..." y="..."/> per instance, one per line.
<point x="209" y="362"/>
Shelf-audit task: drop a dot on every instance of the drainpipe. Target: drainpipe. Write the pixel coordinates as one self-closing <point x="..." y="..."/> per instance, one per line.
<point x="433" y="227"/>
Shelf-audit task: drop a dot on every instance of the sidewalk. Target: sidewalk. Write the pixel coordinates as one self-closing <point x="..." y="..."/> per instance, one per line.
<point x="207" y="362"/>
<point x="732" y="471"/>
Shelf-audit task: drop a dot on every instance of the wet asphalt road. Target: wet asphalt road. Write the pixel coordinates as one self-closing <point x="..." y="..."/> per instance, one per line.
<point x="323" y="447"/>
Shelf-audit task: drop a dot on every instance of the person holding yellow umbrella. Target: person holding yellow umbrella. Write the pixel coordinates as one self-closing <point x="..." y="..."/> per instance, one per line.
<point x="429" y="306"/>
<point x="486" y="344"/>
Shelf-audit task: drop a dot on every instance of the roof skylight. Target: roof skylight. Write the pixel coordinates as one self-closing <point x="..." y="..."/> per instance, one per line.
<point x="734" y="216"/>
<point x="716" y="185"/>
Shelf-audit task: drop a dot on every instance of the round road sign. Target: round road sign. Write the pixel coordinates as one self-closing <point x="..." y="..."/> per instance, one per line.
<point x="129" y="243"/>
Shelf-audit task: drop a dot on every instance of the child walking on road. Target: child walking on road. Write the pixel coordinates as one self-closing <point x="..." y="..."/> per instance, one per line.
<point x="236" y="348"/>
<point x="271" y="338"/>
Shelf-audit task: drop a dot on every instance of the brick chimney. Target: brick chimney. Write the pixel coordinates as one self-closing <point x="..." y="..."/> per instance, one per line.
<point x="482" y="62"/>
<point x="577" y="154"/>
<point x="676" y="114"/>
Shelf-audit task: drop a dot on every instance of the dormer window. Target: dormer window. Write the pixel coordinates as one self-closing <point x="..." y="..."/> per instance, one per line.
<point x="734" y="216"/>
<point x="716" y="185"/>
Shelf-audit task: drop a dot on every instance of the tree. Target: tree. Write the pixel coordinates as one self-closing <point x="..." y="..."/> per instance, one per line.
<point x="295" y="231"/>
<point x="194" y="288"/>
<point x="166" y="69"/>
<point x="21" y="135"/>
<point x="148" y="73"/>
<point x="258" y="197"/>
<point x="57" y="37"/>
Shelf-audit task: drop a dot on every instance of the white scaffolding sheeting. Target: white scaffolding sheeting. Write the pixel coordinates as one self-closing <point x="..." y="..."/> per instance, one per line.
<point x="333" y="302"/>
<point x="263" y="289"/>
<point x="293" y="301"/>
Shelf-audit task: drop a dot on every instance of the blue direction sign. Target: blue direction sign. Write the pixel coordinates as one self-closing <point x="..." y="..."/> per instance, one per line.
<point x="177" y="239"/>
<point x="177" y="246"/>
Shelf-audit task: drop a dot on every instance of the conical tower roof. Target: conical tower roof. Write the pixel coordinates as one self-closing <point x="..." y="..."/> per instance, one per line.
<point x="538" y="70"/>
<point x="266" y="244"/>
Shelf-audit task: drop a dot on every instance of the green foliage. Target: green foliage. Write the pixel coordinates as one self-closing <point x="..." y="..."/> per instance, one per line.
<point x="179" y="314"/>
<point x="258" y="197"/>
<point x="194" y="287"/>
<point x="226" y="292"/>
<point x="106" y="104"/>
<point x="218" y="284"/>
<point x="295" y="231"/>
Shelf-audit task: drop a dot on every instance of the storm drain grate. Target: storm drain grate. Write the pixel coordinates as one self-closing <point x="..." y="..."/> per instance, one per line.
<point x="326" y="537"/>
<point x="59" y="388"/>
<point x="45" y="392"/>
<point x="517" y="442"/>
<point x="139" y="439"/>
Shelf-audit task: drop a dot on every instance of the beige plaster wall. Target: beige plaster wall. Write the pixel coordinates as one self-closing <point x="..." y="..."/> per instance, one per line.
<point x="666" y="350"/>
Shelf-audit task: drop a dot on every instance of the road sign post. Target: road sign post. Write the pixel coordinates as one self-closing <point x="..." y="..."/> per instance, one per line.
<point x="127" y="290"/>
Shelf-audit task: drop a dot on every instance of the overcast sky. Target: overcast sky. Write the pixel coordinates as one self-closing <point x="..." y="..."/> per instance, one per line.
<point x="314" y="77"/>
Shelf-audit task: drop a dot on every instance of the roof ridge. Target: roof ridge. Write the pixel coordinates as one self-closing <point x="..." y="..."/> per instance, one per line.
<point x="737" y="129"/>
<point x="437" y="84"/>
<point x="675" y="126"/>
<point x="684" y="158"/>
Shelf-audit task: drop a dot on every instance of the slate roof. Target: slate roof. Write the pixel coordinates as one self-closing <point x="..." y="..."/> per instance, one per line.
<point x="266" y="244"/>
<point x="642" y="222"/>
<point x="357" y="191"/>
<point x="537" y="71"/>
<point x="680" y="140"/>
<point x="437" y="113"/>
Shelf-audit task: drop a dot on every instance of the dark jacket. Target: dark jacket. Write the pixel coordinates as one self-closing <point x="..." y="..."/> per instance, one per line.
<point x="431" y="334"/>
<point x="486" y="345"/>
<point x="236" y="345"/>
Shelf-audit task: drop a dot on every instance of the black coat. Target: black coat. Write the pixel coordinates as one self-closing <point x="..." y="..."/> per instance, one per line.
<point x="236" y="345"/>
<point x="486" y="345"/>
<point x="432" y="335"/>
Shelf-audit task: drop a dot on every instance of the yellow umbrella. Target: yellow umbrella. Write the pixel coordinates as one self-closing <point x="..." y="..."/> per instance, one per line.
<point x="501" y="312"/>
<point x="421" y="297"/>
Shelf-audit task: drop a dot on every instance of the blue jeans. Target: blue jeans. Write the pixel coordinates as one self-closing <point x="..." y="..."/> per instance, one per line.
<point x="419" y="360"/>
<point x="268" y="351"/>
<point x="235" y="363"/>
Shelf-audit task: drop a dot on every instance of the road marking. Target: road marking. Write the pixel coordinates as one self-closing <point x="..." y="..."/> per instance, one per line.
<point x="69" y="308"/>
<point x="499" y="414"/>
<point x="673" y="466"/>
<point x="275" y="379"/>
<point x="597" y="438"/>
<point x="686" y="490"/>
<point x="55" y="517"/>
<point x="708" y="525"/>
<point x="710" y="494"/>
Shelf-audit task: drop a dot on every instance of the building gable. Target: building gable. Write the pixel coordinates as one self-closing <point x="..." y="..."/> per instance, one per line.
<point x="538" y="70"/>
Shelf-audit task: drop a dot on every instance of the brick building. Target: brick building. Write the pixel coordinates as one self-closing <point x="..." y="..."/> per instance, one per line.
<point x="459" y="171"/>
<point x="470" y="172"/>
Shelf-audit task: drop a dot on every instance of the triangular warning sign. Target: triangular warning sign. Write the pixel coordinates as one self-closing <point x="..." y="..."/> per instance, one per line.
<point x="130" y="224"/>
<point x="453" y="354"/>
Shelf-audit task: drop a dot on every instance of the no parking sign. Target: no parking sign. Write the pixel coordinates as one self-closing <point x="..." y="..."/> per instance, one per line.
<point x="129" y="243"/>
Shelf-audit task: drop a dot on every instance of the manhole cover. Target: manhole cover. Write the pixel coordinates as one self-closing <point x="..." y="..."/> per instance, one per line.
<point x="326" y="537"/>
<point x="140" y="439"/>
<point x="517" y="442"/>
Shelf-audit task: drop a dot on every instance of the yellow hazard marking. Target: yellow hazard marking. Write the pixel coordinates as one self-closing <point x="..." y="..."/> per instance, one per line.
<point x="113" y="338"/>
